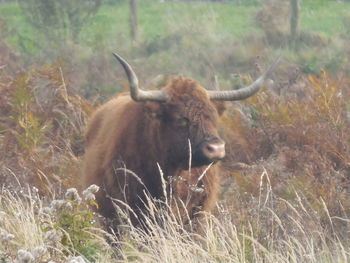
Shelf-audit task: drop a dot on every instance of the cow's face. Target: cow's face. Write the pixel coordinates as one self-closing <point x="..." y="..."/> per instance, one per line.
<point x="185" y="113"/>
<point x="190" y="118"/>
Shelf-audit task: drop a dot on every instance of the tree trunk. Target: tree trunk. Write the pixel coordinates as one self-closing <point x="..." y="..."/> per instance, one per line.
<point x="133" y="20"/>
<point x="294" y="22"/>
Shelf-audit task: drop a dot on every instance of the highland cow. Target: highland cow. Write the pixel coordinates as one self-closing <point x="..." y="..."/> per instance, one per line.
<point x="174" y="128"/>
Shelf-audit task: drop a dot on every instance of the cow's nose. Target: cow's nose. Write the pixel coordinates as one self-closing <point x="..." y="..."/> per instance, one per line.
<point x="214" y="150"/>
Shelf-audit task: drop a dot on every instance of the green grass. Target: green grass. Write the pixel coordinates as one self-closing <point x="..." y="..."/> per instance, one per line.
<point x="15" y="21"/>
<point x="324" y="17"/>
<point x="158" y="19"/>
<point x="182" y="37"/>
<point x="232" y="19"/>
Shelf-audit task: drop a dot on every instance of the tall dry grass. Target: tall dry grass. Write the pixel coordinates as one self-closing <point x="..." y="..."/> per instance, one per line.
<point x="297" y="235"/>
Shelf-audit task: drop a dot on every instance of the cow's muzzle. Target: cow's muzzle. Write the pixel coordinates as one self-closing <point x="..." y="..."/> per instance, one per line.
<point x="209" y="151"/>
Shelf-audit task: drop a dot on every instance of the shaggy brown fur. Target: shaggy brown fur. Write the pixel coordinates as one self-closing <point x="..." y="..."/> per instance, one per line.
<point x="138" y="135"/>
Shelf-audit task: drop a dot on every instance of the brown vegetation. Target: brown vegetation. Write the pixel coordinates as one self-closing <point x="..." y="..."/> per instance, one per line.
<point x="299" y="141"/>
<point x="41" y="127"/>
<point x="287" y="151"/>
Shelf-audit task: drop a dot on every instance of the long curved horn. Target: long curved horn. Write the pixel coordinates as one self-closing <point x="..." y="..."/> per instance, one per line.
<point x="136" y="93"/>
<point x="245" y="92"/>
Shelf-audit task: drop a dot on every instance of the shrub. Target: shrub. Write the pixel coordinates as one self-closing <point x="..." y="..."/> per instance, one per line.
<point x="42" y="122"/>
<point x="32" y="232"/>
<point x="59" y="21"/>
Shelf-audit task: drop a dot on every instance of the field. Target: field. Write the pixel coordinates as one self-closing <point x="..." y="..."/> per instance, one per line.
<point x="286" y="178"/>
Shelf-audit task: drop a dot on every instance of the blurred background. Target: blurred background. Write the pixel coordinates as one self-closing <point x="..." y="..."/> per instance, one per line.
<point x="199" y="39"/>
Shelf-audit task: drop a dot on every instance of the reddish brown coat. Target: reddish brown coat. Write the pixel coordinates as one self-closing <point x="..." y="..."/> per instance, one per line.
<point x="138" y="135"/>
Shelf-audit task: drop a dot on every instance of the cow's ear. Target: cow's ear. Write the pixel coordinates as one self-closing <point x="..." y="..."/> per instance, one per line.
<point x="153" y="109"/>
<point x="220" y="106"/>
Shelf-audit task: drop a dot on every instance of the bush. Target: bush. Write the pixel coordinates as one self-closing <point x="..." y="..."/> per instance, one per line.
<point x="59" y="20"/>
<point x="32" y="232"/>
<point x="42" y="120"/>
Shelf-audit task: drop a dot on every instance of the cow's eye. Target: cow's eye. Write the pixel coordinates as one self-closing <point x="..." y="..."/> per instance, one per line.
<point x="182" y="122"/>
